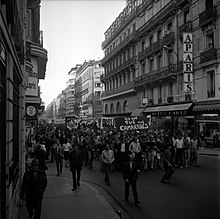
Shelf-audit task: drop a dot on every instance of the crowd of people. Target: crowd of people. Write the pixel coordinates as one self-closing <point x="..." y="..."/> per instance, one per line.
<point x="55" y="144"/>
<point x="143" y="150"/>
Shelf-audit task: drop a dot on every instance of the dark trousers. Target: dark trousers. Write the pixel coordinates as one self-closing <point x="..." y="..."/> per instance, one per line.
<point x="179" y="156"/>
<point x="168" y="172"/>
<point x="59" y="165"/>
<point x="34" y="208"/>
<point x="107" y="170"/>
<point x="133" y="185"/>
<point x="76" y="175"/>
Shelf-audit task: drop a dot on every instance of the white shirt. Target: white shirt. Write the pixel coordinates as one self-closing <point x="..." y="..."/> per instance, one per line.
<point x="107" y="156"/>
<point x="179" y="143"/>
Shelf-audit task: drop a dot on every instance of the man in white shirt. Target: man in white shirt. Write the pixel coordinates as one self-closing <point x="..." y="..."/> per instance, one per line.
<point x="135" y="148"/>
<point x="107" y="158"/>
<point x="178" y="143"/>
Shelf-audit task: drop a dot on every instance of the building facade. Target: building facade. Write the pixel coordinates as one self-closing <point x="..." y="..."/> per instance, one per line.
<point x="148" y="71"/>
<point x="88" y="89"/>
<point x="19" y="60"/>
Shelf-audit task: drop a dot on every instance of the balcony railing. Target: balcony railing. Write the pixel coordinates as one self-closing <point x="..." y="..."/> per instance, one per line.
<point x="126" y="41"/>
<point x="119" y="89"/>
<point x="208" y="55"/>
<point x="169" y="38"/>
<point x="163" y="14"/>
<point x="158" y="45"/>
<point x="124" y="65"/>
<point x="186" y="27"/>
<point x="182" y="3"/>
<point x="208" y="16"/>
<point x="164" y="72"/>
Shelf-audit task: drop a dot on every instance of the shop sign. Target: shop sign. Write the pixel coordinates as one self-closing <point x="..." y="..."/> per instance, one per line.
<point x="208" y="117"/>
<point x="131" y="123"/>
<point x="170" y="113"/>
<point x="32" y="84"/>
<point x="188" y="62"/>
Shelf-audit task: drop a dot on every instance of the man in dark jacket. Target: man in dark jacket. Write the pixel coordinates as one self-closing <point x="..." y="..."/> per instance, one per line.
<point x="130" y="175"/>
<point x="76" y="162"/>
<point x="32" y="189"/>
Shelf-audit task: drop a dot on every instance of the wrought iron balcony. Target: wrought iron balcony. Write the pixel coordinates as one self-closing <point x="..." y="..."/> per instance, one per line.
<point x="157" y="18"/>
<point x="124" y="65"/>
<point x="169" y="38"/>
<point x="186" y="27"/>
<point x="121" y="45"/>
<point x="159" y="74"/>
<point x="208" y="55"/>
<point x="182" y="3"/>
<point x="158" y="45"/>
<point x="208" y="16"/>
<point x="119" y="89"/>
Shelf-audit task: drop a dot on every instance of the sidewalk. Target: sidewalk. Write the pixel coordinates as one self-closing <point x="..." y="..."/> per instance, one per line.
<point x="61" y="203"/>
<point x="209" y="151"/>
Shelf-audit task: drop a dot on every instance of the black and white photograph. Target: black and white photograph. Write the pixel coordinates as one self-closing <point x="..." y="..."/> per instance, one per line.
<point x="109" y="109"/>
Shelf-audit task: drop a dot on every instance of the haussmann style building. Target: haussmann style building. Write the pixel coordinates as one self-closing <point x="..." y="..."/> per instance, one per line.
<point x="162" y="60"/>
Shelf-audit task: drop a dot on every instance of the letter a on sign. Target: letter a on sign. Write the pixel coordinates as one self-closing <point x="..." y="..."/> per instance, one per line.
<point x="187" y="37"/>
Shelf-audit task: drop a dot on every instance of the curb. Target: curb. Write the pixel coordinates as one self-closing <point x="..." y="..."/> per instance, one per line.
<point x="209" y="154"/>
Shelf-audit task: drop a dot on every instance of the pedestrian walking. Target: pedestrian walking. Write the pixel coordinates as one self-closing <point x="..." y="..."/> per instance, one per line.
<point x="76" y="162"/>
<point x="130" y="175"/>
<point x="168" y="168"/>
<point x="58" y="155"/>
<point x="135" y="148"/>
<point x="107" y="158"/>
<point x="33" y="186"/>
<point x="66" y="149"/>
<point x="194" y="151"/>
<point x="179" y="151"/>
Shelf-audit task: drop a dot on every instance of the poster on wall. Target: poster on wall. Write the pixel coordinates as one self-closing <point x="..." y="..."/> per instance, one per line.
<point x="32" y="83"/>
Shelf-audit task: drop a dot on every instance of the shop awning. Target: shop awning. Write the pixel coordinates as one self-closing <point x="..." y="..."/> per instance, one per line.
<point x="168" y="108"/>
<point x="209" y="107"/>
<point x="137" y="112"/>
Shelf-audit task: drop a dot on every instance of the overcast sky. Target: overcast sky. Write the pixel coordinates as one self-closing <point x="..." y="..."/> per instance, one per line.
<point x="72" y="33"/>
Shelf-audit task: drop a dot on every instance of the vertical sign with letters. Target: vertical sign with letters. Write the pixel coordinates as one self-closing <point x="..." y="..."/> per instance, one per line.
<point x="188" y="62"/>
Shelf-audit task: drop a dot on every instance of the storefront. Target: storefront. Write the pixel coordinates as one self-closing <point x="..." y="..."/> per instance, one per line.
<point x="207" y="117"/>
<point x="172" y="118"/>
